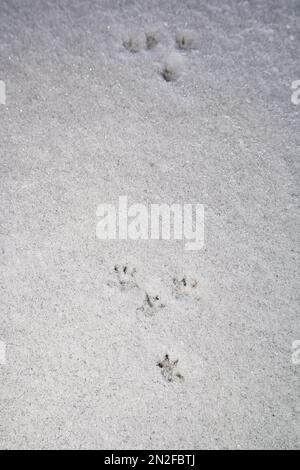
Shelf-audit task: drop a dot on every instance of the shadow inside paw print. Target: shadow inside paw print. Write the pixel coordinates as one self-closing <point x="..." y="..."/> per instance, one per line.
<point x="151" y="39"/>
<point x="185" y="40"/>
<point x="184" y="286"/>
<point x="125" y="277"/>
<point x="169" y="370"/>
<point x="152" y="304"/>
<point x="133" y="42"/>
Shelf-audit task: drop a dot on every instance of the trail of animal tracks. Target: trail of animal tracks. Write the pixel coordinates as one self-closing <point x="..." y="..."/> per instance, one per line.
<point x="142" y="344"/>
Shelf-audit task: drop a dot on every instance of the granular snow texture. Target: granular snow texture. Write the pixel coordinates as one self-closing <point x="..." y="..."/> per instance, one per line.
<point x="88" y="119"/>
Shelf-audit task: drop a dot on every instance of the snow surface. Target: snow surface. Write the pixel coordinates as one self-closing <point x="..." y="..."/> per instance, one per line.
<point x="86" y="121"/>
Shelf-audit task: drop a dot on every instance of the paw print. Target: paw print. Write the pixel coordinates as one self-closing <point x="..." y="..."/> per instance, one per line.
<point x="152" y="304"/>
<point x="184" y="286"/>
<point x="169" y="370"/>
<point x="185" y="40"/>
<point x="151" y="39"/>
<point x="133" y="42"/>
<point x="125" y="277"/>
<point x="172" y="67"/>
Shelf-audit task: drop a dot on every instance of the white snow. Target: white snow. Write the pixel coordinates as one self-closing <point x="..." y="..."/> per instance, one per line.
<point x="86" y="121"/>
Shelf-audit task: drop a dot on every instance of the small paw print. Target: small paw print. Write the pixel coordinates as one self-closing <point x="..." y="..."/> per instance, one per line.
<point x="185" y="40"/>
<point x="125" y="277"/>
<point x="152" y="304"/>
<point x="151" y="39"/>
<point x="169" y="370"/>
<point x="184" y="286"/>
<point x="172" y="67"/>
<point x="133" y="42"/>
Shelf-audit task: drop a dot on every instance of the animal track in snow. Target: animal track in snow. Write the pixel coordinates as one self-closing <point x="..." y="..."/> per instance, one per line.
<point x="172" y="67"/>
<point x="184" y="286"/>
<point x="169" y="370"/>
<point x="133" y="42"/>
<point x="185" y="40"/>
<point x="125" y="275"/>
<point x="152" y="304"/>
<point x="151" y="39"/>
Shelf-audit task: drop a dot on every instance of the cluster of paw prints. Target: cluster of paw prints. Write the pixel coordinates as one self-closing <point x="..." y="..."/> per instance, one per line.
<point x="172" y="66"/>
<point x="125" y="279"/>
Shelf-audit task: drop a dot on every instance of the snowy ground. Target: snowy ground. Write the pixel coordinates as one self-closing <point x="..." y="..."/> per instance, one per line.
<point x="85" y="121"/>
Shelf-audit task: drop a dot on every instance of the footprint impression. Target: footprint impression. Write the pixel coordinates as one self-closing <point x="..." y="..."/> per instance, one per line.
<point x="125" y="277"/>
<point x="184" y="286"/>
<point x="152" y="304"/>
<point x="169" y="370"/>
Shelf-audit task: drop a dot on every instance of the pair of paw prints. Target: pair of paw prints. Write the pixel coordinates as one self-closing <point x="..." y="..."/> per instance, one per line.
<point x="181" y="287"/>
<point x="169" y="370"/>
<point x="125" y="279"/>
<point x="135" y="42"/>
<point x="173" y="65"/>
